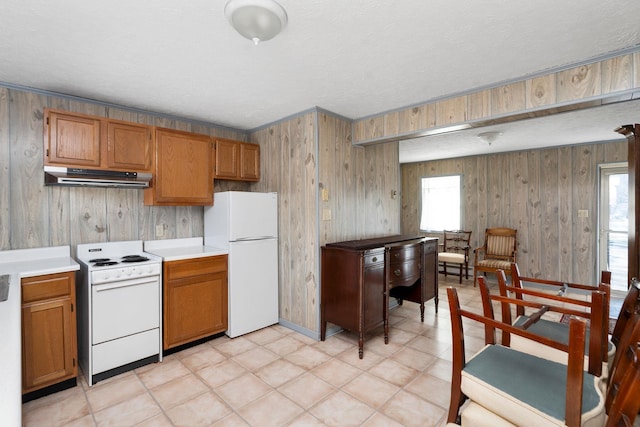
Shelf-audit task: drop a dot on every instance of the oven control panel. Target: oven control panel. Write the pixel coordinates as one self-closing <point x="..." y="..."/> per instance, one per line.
<point x="125" y="273"/>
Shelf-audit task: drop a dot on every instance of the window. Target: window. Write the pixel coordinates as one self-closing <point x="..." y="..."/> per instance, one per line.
<point x="614" y="223"/>
<point x="440" y="203"/>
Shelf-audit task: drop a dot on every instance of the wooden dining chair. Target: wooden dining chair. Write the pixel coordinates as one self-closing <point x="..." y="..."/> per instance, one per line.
<point x="506" y="387"/>
<point x="455" y="251"/>
<point x="592" y="305"/>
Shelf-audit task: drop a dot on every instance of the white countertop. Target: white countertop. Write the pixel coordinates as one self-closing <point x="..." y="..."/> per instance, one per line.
<point x="17" y="264"/>
<point x="179" y="249"/>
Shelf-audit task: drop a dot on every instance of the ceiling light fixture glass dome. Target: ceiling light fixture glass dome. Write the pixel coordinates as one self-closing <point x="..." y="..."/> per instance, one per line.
<point x="257" y="20"/>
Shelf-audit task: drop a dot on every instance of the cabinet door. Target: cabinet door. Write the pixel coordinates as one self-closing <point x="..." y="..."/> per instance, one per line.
<point x="72" y="140"/>
<point x="249" y="162"/>
<point x="195" y="307"/>
<point x="373" y="298"/>
<point x="430" y="270"/>
<point x="48" y="343"/>
<point x="130" y="146"/>
<point x="227" y="159"/>
<point x="183" y="173"/>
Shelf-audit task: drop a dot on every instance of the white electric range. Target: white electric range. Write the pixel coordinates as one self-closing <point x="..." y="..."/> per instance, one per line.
<point x="119" y="297"/>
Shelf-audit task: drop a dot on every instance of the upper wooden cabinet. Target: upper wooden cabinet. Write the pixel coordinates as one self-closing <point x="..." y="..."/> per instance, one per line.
<point x="183" y="170"/>
<point x="80" y="140"/>
<point x="237" y="160"/>
<point x="130" y="146"/>
<point x="72" y="139"/>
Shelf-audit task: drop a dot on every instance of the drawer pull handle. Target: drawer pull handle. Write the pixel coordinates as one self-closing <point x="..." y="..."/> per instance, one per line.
<point x="374" y="259"/>
<point x="397" y="272"/>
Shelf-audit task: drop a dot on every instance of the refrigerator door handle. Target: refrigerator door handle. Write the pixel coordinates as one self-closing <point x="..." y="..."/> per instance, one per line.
<point x="249" y="239"/>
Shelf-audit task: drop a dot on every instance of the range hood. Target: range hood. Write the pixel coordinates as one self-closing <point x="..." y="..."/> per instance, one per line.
<point x="55" y="175"/>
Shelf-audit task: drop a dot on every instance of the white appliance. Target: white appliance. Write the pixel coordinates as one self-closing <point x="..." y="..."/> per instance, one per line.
<point x="119" y="317"/>
<point x="246" y="225"/>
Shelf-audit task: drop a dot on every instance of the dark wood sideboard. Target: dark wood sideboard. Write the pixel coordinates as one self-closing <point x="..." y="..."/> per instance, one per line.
<point x="359" y="277"/>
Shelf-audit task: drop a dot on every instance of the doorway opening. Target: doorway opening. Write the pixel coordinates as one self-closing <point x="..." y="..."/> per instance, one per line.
<point x="613" y="224"/>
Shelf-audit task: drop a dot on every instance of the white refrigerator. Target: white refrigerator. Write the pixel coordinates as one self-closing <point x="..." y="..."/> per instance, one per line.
<point x="246" y="225"/>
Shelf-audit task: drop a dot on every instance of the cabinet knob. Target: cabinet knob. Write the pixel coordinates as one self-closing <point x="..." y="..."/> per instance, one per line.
<point x="397" y="255"/>
<point x="374" y="259"/>
<point x="397" y="272"/>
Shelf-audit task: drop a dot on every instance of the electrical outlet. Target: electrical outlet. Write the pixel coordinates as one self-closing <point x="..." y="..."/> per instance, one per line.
<point x="159" y="230"/>
<point x="583" y="213"/>
<point x="326" y="214"/>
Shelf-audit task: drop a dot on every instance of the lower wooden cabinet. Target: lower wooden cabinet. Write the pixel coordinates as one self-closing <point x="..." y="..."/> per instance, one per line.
<point x="49" y="338"/>
<point x="194" y="299"/>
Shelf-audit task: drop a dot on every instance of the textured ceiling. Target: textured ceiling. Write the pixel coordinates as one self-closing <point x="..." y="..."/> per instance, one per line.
<point x="354" y="58"/>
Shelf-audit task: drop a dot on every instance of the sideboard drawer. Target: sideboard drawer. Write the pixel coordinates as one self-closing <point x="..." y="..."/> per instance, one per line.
<point x="404" y="253"/>
<point x="404" y="273"/>
<point x="373" y="258"/>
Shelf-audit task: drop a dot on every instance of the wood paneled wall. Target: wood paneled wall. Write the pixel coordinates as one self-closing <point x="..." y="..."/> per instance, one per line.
<point x="300" y="157"/>
<point x="539" y="192"/>
<point x="32" y="215"/>
<point x="584" y="82"/>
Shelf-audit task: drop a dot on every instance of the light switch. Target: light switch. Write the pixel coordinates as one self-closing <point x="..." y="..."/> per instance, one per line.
<point x="159" y="230"/>
<point x="325" y="194"/>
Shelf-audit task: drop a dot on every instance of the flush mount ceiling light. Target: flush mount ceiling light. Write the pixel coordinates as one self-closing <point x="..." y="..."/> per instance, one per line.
<point x="489" y="137"/>
<point x="257" y="20"/>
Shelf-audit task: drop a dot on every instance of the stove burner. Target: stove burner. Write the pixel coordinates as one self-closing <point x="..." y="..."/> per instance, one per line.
<point x="134" y="258"/>
<point x="105" y="263"/>
<point x="99" y="260"/>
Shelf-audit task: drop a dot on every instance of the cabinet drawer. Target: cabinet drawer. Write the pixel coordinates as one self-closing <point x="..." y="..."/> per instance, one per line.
<point x="404" y="273"/>
<point x="45" y="287"/>
<point x="195" y="267"/>
<point x="373" y="258"/>
<point x="404" y="253"/>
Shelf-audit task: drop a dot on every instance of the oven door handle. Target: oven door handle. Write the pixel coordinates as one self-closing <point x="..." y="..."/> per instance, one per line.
<point x="125" y="283"/>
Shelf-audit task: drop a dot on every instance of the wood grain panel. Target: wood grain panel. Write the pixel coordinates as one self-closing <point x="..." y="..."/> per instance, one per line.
<point x="541" y="91"/>
<point x="479" y="105"/>
<point x="360" y="130"/>
<point x="584" y="229"/>
<point x="508" y="98"/>
<point x="531" y="241"/>
<point x="392" y="123"/>
<point x="374" y="127"/>
<point x="449" y="111"/>
<point x="88" y="215"/>
<point x="549" y="234"/>
<point x="122" y="211"/>
<point x="29" y="206"/>
<point x="566" y="208"/>
<point x="578" y="83"/>
<point x="522" y="213"/>
<point x="617" y="74"/>
<point x="311" y="250"/>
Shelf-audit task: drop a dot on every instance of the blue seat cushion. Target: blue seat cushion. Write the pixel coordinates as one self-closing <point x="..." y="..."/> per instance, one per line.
<point x="519" y="386"/>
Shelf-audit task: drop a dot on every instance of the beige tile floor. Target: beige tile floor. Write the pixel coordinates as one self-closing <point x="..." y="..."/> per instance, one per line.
<point x="278" y="377"/>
